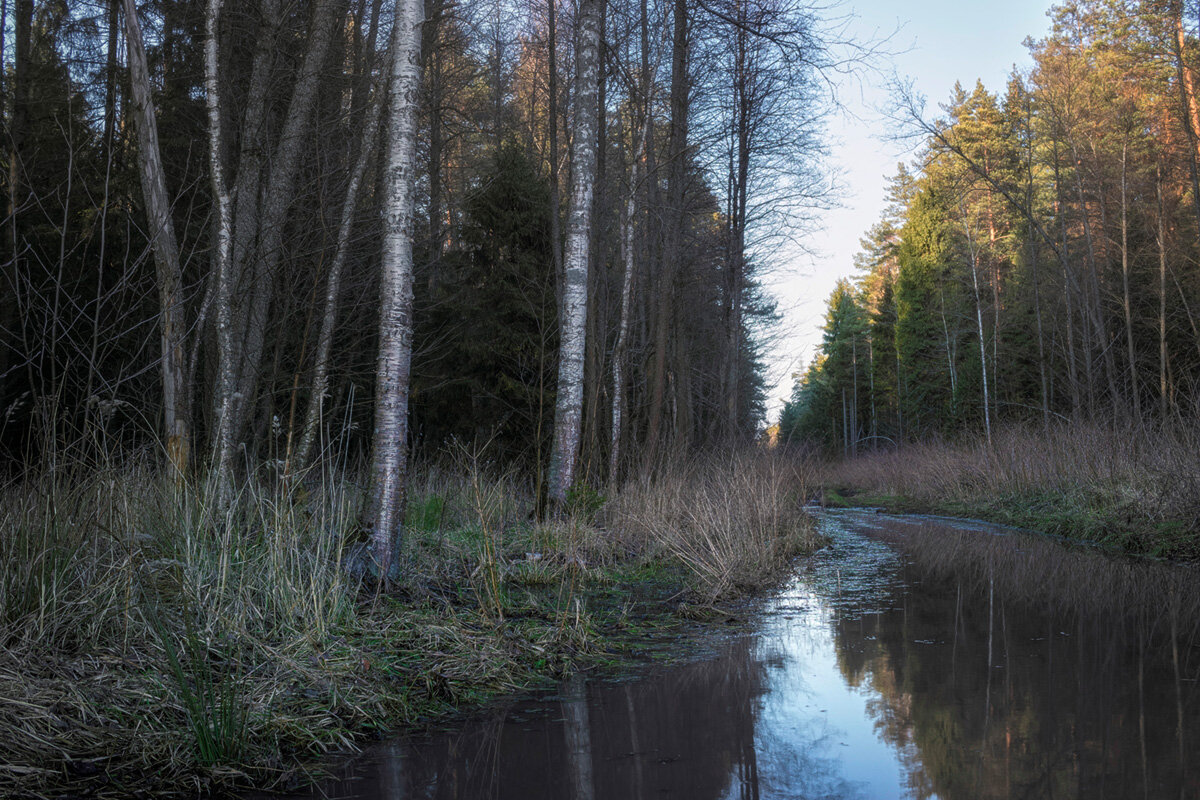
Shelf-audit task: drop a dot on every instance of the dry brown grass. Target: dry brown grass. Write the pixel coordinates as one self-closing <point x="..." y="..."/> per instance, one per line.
<point x="1135" y="487"/>
<point x="147" y="643"/>
<point x="733" y="520"/>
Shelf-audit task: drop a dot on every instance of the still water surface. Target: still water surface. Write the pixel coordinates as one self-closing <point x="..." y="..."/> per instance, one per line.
<point x="873" y="674"/>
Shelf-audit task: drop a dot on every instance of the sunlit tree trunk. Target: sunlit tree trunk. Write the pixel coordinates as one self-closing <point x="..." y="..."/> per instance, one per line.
<point x="172" y="326"/>
<point x="973" y="254"/>
<point x="568" y="411"/>
<point x="948" y="344"/>
<point x="389" y="467"/>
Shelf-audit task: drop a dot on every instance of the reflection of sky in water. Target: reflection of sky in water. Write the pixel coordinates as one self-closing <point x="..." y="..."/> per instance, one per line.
<point x="865" y="680"/>
<point x="816" y="737"/>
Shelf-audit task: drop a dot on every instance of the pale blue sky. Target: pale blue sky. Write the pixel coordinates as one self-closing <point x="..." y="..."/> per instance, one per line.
<point x="942" y="42"/>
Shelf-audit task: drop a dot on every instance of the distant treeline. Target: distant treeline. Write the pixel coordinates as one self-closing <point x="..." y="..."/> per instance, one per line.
<point x="1042" y="260"/>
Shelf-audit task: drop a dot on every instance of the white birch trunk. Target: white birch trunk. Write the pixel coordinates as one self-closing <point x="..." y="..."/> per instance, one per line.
<point x="166" y="249"/>
<point x="389" y="468"/>
<point x="320" y="385"/>
<point x="568" y="410"/>
<point x="222" y="461"/>
<point x="973" y="252"/>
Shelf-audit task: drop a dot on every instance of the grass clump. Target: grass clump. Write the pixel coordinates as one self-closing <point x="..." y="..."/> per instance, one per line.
<point x="210" y="691"/>
<point x="732" y="521"/>
<point x="152" y="644"/>
<point x="1134" y="488"/>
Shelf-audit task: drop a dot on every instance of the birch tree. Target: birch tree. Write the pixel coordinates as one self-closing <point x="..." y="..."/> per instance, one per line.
<point x="568" y="410"/>
<point x="222" y="268"/>
<point x="262" y="200"/>
<point x="389" y="467"/>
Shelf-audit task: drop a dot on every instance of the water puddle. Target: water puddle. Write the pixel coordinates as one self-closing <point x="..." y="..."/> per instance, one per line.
<point x="880" y="671"/>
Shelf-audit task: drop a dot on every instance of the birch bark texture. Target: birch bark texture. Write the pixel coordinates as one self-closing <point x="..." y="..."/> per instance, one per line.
<point x="171" y="322"/>
<point x="222" y="457"/>
<point x="568" y="409"/>
<point x="265" y="183"/>
<point x="252" y="314"/>
<point x="389" y="464"/>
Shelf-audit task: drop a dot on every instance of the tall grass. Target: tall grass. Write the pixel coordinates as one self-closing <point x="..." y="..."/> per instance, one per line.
<point x="211" y="695"/>
<point x="733" y="520"/>
<point x="168" y="645"/>
<point x="1134" y="486"/>
<point x="120" y="591"/>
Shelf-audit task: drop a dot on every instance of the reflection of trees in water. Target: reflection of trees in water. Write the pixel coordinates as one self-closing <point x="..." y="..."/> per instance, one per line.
<point x="799" y="755"/>
<point x="578" y="738"/>
<point x="801" y="761"/>
<point x="1089" y="689"/>
<point x="687" y="732"/>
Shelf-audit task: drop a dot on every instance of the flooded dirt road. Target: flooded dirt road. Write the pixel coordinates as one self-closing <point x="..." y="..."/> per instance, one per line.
<point x="913" y="657"/>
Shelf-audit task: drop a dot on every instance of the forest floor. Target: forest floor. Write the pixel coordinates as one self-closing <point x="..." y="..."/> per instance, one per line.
<point x="151" y="648"/>
<point x="1133" y="489"/>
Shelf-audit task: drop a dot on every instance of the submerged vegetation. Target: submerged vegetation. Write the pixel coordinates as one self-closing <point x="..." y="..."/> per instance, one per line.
<point x="150" y="645"/>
